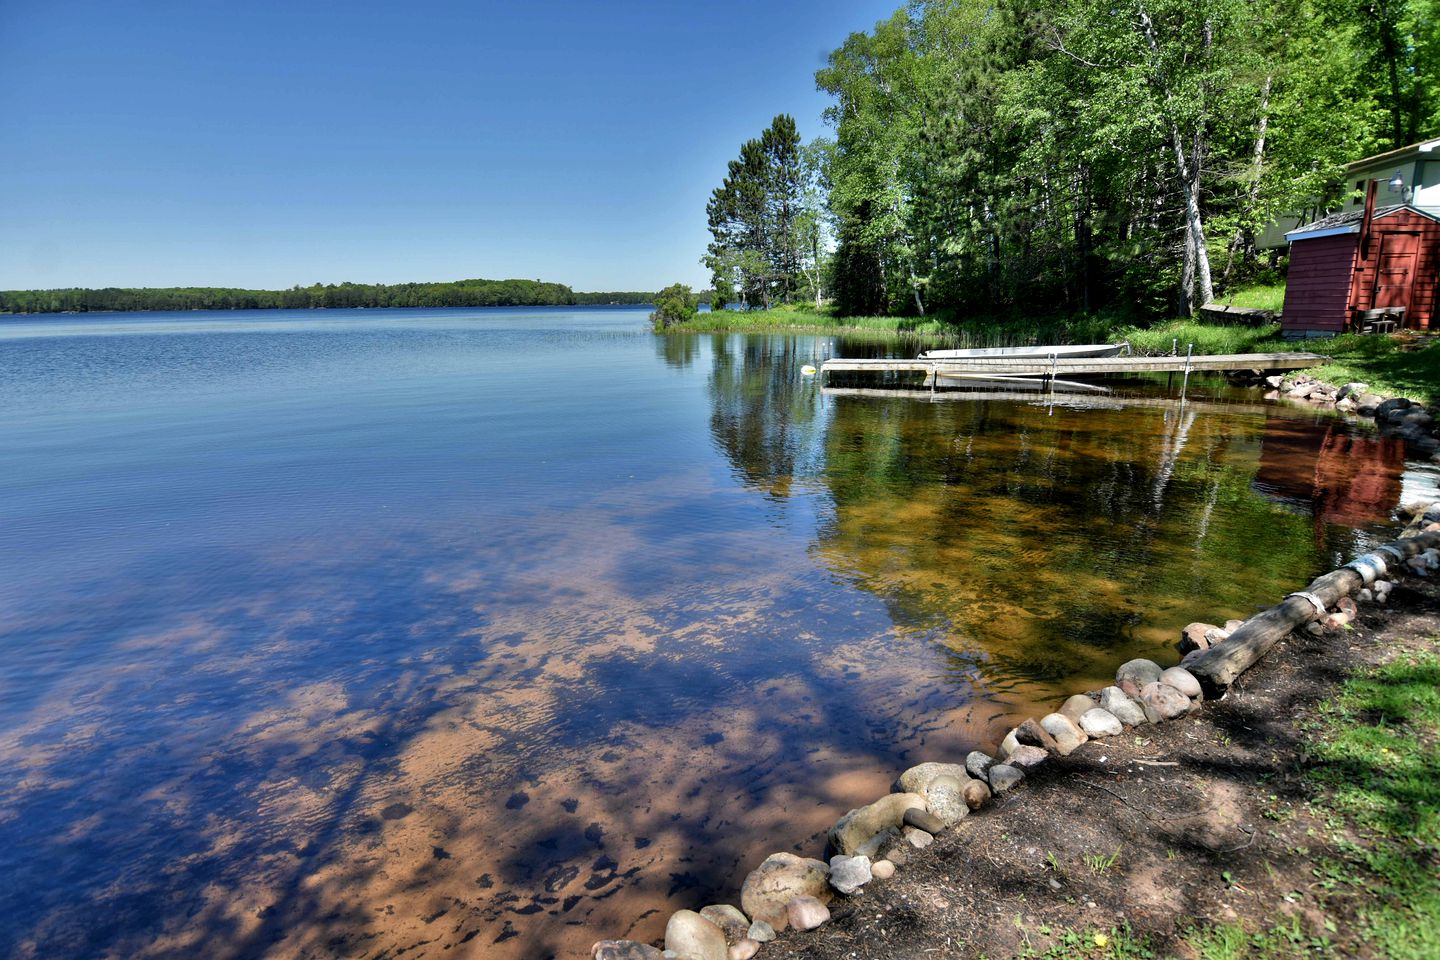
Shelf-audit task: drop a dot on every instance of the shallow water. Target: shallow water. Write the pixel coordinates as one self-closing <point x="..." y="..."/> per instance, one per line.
<point x="487" y="633"/>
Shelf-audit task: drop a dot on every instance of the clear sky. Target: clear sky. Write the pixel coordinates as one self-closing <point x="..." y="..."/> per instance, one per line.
<point x="263" y="144"/>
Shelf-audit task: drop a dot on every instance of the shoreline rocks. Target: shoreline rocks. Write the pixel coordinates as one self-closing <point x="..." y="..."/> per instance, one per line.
<point x="872" y="841"/>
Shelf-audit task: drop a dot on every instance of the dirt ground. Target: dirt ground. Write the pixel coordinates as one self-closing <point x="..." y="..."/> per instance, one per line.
<point x="1202" y="820"/>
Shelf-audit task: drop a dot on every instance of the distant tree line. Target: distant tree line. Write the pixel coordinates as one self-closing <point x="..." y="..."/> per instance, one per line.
<point x="1072" y="154"/>
<point x="457" y="293"/>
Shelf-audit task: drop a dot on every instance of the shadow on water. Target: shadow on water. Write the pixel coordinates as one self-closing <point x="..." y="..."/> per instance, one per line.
<point x="496" y="732"/>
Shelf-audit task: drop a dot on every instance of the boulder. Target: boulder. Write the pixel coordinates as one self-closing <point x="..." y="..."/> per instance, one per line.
<point x="918" y="778"/>
<point x="782" y="877"/>
<point x="977" y="794"/>
<point x="1099" y="722"/>
<point x="1182" y="680"/>
<point x="1031" y="733"/>
<point x="729" y="919"/>
<point x="1024" y="756"/>
<point x="1352" y="390"/>
<point x="744" y="949"/>
<point x="917" y="838"/>
<point x="692" y="937"/>
<point x="1075" y="707"/>
<point x="1301" y="392"/>
<point x="1163" y="702"/>
<point x="882" y="869"/>
<point x="978" y="764"/>
<point x="1138" y="671"/>
<point x="1366" y="404"/>
<point x="1393" y="405"/>
<point x="623" y="950"/>
<point x="848" y="874"/>
<point x="861" y="824"/>
<point x="1125" y="708"/>
<point x="1196" y="636"/>
<point x="946" y="800"/>
<point x="1066" y="732"/>
<point x="761" y="932"/>
<point x="1004" y="777"/>
<point x="806" y="913"/>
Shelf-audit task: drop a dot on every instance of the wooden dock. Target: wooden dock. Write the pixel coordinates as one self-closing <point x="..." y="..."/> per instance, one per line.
<point x="1078" y="366"/>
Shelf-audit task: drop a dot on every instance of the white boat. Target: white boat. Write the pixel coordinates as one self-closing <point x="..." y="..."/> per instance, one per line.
<point x="1060" y="351"/>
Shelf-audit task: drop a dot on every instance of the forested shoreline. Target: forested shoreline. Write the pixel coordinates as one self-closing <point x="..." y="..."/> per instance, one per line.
<point x="1073" y="155"/>
<point x="457" y="293"/>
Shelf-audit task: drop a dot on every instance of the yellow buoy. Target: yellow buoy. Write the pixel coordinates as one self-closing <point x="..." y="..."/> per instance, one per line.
<point x="808" y="370"/>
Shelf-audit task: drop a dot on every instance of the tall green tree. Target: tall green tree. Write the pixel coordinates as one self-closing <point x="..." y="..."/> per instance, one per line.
<point x="755" y="218"/>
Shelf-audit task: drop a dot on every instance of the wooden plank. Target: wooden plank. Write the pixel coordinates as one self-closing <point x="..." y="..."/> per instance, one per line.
<point x="1079" y="365"/>
<point x="1100" y="401"/>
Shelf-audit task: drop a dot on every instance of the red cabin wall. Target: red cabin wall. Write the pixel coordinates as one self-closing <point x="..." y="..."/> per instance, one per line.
<point x="1317" y="293"/>
<point x="1408" y="238"/>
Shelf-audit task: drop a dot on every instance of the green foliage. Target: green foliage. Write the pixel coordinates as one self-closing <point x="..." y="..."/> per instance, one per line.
<point x="1077" y="154"/>
<point x="457" y="293"/>
<point x="1258" y="296"/>
<point x="673" y="305"/>
<point x="755" y="218"/>
<point x="1210" y="338"/>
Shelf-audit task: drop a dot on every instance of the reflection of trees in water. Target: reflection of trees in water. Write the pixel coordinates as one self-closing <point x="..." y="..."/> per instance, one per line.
<point x="763" y="410"/>
<point x="1039" y="541"/>
<point x="678" y="350"/>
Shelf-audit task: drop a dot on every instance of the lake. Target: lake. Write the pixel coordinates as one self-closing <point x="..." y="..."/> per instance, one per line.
<point x="493" y="632"/>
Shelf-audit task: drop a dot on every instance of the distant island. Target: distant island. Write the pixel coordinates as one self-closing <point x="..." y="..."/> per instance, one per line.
<point x="453" y="293"/>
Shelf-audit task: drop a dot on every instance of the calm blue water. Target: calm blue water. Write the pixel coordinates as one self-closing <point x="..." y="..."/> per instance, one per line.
<point x="482" y="633"/>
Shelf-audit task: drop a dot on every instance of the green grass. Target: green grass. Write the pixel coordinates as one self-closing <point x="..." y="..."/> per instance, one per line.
<point x="1207" y="337"/>
<point x="1389" y="366"/>
<point x="1265" y="296"/>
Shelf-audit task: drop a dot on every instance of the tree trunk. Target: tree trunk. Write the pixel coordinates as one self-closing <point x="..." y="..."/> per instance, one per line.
<point x="1218" y="667"/>
<point x="1256" y="166"/>
<point x="1189" y="173"/>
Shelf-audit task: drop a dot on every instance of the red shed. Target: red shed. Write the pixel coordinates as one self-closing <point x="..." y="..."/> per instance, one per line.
<point x="1353" y="268"/>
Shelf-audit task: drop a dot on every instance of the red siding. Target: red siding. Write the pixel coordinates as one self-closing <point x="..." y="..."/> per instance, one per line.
<point x="1403" y="244"/>
<point x="1317" y="293"/>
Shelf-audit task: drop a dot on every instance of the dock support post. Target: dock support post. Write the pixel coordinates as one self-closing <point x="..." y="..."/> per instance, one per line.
<point x="1189" y="352"/>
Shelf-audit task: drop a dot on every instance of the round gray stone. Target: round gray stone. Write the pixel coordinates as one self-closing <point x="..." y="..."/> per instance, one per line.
<point x="1139" y="671"/>
<point x="1182" y="680"/>
<point x="1099" y="722"/>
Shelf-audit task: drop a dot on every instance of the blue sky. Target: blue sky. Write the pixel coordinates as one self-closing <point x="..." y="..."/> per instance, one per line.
<point x="263" y="144"/>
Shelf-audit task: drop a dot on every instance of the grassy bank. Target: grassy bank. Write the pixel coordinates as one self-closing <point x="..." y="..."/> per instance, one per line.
<point x="1373" y="755"/>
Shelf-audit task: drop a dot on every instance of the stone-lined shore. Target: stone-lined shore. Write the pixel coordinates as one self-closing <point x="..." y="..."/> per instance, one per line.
<point x="874" y="841"/>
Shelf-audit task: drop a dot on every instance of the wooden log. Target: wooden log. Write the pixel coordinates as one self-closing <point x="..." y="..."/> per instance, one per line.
<point x="1218" y="667"/>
